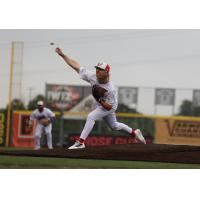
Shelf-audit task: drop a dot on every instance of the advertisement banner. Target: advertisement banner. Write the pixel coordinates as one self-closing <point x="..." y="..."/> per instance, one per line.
<point x="65" y="97"/>
<point x="102" y="140"/>
<point x="196" y="97"/>
<point x="164" y="97"/>
<point x="184" y="131"/>
<point x="2" y="129"/>
<point x="22" y="135"/>
<point x="128" y="95"/>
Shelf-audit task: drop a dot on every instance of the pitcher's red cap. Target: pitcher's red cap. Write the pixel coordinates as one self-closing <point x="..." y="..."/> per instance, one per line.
<point x="103" y="66"/>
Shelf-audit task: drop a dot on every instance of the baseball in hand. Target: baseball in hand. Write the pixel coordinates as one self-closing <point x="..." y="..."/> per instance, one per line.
<point x="58" y="50"/>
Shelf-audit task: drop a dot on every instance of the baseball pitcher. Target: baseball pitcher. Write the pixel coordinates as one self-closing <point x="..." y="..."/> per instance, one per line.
<point x="105" y="95"/>
<point x="44" y="118"/>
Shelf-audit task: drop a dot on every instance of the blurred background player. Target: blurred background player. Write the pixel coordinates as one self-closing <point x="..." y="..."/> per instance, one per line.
<point x="105" y="107"/>
<point x="44" y="118"/>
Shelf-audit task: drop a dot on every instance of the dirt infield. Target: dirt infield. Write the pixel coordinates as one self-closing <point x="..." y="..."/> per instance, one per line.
<point x="132" y="152"/>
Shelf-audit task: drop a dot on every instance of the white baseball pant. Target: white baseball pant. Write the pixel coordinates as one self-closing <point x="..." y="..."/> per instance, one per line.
<point x="38" y="133"/>
<point x="108" y="116"/>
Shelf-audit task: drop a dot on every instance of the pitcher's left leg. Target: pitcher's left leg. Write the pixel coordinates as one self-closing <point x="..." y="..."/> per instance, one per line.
<point x="115" y="125"/>
<point x="112" y="122"/>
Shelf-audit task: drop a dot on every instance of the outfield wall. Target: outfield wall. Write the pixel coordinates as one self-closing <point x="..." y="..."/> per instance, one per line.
<point x="157" y="129"/>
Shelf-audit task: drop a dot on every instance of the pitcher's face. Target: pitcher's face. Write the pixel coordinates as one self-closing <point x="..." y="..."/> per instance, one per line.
<point x="102" y="75"/>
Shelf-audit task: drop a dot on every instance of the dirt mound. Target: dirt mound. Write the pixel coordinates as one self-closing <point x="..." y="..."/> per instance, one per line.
<point x="132" y="152"/>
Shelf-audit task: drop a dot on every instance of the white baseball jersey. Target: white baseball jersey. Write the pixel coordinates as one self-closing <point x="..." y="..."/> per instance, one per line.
<point x="111" y="94"/>
<point x="46" y="113"/>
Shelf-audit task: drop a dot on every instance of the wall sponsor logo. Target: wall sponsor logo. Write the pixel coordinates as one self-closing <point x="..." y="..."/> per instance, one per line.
<point x="25" y="130"/>
<point x="128" y="96"/>
<point x="22" y="135"/>
<point x="104" y="140"/>
<point x="2" y="129"/>
<point x="164" y="96"/>
<point x="181" y="128"/>
<point x="196" y="97"/>
<point x="62" y="96"/>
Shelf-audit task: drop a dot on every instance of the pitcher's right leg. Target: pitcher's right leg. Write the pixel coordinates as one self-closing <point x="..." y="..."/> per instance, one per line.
<point x="96" y="114"/>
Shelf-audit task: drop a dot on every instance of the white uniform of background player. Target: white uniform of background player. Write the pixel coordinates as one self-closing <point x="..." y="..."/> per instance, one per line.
<point x="106" y="107"/>
<point x="42" y="113"/>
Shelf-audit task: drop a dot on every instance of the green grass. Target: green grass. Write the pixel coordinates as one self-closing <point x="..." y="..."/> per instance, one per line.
<point x="22" y="162"/>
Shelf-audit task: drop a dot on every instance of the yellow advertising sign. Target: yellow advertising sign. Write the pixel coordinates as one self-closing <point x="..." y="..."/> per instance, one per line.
<point x="2" y="129"/>
<point x="177" y="131"/>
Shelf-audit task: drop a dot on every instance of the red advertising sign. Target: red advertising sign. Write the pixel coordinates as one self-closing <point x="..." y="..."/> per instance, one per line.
<point x="22" y="135"/>
<point x="102" y="140"/>
<point x="61" y="97"/>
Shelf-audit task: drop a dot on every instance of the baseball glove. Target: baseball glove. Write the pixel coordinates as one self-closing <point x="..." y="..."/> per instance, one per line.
<point x="44" y="122"/>
<point x="98" y="92"/>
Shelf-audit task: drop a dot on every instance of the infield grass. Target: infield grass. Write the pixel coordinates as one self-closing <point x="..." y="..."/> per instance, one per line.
<point x="22" y="162"/>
